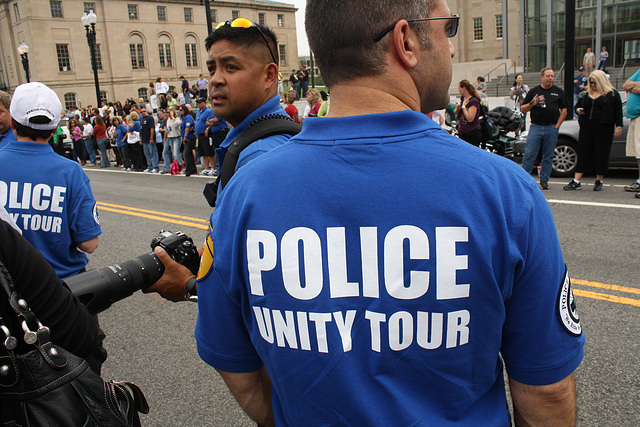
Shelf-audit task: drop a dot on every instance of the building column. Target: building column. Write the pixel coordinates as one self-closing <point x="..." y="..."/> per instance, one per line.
<point x="505" y="30"/>
<point x="549" y="33"/>
<point x="598" y="47"/>
<point x="523" y="42"/>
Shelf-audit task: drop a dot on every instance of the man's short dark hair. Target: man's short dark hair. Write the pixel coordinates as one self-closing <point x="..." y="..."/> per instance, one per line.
<point x="31" y="133"/>
<point x="344" y="47"/>
<point x="249" y="37"/>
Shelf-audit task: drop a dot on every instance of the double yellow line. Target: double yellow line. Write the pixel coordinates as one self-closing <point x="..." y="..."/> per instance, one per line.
<point x="155" y="215"/>
<point x="606" y="297"/>
<point x="204" y="225"/>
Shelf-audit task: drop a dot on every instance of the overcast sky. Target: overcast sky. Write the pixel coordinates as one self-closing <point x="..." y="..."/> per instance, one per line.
<point x="303" y="45"/>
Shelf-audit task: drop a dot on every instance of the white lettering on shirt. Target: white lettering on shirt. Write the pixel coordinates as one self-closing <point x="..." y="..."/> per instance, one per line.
<point x="30" y="197"/>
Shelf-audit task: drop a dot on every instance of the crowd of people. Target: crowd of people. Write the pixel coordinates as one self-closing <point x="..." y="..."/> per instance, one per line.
<point x="332" y="289"/>
<point x="137" y="134"/>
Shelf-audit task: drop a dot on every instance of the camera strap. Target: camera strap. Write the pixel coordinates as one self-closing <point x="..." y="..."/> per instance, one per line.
<point x="262" y="127"/>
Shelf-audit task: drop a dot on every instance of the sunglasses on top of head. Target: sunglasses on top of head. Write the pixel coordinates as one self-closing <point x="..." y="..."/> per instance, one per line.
<point x="245" y="23"/>
<point x="452" y="30"/>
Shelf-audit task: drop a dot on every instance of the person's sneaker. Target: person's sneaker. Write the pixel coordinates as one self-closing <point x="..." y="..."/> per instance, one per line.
<point x="637" y="195"/>
<point x="154" y="171"/>
<point x="162" y="172"/>
<point x="573" y="185"/>
<point x="213" y="172"/>
<point x="633" y="187"/>
<point x="204" y="172"/>
<point x="544" y="185"/>
<point x="147" y="170"/>
<point x="598" y="186"/>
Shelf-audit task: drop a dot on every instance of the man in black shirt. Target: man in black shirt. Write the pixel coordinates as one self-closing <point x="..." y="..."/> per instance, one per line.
<point x="548" y="110"/>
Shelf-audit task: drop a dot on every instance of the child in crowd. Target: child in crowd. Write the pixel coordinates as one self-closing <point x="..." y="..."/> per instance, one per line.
<point x="291" y="109"/>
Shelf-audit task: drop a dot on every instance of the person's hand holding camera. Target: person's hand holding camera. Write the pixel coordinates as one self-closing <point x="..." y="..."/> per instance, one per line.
<point x="173" y="283"/>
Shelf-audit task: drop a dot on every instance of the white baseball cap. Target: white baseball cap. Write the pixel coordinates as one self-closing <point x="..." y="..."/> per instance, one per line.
<point x="35" y="99"/>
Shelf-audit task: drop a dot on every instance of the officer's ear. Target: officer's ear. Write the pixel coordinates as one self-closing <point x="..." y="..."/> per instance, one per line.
<point x="406" y="43"/>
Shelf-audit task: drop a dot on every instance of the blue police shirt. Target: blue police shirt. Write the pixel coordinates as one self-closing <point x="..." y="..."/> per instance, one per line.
<point x="51" y="201"/>
<point x="202" y="116"/>
<point x="6" y="137"/>
<point x="380" y="301"/>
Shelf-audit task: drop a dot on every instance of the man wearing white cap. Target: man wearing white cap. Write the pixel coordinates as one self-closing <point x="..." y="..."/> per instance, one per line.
<point x="47" y="195"/>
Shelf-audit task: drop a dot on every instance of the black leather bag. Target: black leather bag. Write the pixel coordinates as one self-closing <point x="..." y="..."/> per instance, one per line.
<point x="49" y="386"/>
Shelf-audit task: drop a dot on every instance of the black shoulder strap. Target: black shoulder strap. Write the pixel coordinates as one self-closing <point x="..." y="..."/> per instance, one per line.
<point x="263" y="127"/>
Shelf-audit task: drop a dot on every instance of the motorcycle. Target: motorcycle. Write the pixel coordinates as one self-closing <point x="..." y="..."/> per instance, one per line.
<point x="499" y="121"/>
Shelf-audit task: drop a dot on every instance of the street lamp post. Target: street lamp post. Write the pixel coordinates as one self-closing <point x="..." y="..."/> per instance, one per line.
<point x="89" y="20"/>
<point x="23" y="51"/>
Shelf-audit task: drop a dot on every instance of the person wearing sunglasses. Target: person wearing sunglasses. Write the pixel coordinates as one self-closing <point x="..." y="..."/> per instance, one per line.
<point x="548" y="110"/>
<point x="600" y="112"/>
<point x="377" y="271"/>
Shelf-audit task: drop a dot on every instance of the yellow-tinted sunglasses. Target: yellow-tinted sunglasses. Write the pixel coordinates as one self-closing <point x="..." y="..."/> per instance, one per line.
<point x="245" y="23"/>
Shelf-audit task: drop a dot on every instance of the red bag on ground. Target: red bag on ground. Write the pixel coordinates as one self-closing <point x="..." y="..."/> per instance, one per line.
<point x="175" y="168"/>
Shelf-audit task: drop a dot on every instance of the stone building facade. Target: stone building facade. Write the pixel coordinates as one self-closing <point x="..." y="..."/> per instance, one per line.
<point x="138" y="41"/>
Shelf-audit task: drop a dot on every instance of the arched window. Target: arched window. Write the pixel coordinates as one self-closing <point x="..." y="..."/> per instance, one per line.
<point x="164" y="51"/>
<point x="191" y="51"/>
<point x="70" y="101"/>
<point x="136" y="51"/>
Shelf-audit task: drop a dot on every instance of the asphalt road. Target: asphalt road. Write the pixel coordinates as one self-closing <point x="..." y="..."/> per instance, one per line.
<point x="150" y="341"/>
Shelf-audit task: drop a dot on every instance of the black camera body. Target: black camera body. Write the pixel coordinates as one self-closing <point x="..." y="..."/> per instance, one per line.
<point x="180" y="247"/>
<point x="98" y="289"/>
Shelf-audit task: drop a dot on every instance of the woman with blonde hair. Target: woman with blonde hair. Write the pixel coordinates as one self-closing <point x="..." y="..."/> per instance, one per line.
<point x="315" y="102"/>
<point x="468" y="112"/>
<point x="600" y="116"/>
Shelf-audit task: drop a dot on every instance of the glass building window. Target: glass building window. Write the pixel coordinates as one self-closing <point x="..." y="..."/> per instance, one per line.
<point x="499" y="26"/>
<point x="280" y="20"/>
<point x="103" y="96"/>
<point x="70" y="101"/>
<point x="164" y="53"/>
<point x="64" y="61"/>
<point x="133" y="11"/>
<point x="98" y="56"/>
<point x="192" y="54"/>
<point x="142" y="93"/>
<point x="214" y="15"/>
<point x="137" y="55"/>
<point x="16" y="11"/>
<point x="282" y="50"/>
<point x="235" y="14"/>
<point x="188" y="14"/>
<point x="56" y="8"/>
<point x="477" y="29"/>
<point x="261" y="18"/>
<point x="162" y="13"/>
<point x="89" y="7"/>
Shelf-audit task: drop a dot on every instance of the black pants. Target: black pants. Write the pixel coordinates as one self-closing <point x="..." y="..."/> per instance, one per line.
<point x="594" y="146"/>
<point x="189" y="160"/>
<point x="474" y="137"/>
<point x="125" y="152"/>
<point x="139" y="161"/>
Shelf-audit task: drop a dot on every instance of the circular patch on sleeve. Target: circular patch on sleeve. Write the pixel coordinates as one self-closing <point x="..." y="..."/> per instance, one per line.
<point x="95" y="214"/>
<point x="567" y="311"/>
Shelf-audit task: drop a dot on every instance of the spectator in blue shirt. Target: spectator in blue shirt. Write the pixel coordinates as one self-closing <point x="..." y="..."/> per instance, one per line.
<point x="187" y="131"/>
<point x="205" y="147"/>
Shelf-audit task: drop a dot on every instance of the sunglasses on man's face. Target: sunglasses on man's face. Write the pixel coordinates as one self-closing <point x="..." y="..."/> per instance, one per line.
<point x="245" y="23"/>
<point x="452" y="29"/>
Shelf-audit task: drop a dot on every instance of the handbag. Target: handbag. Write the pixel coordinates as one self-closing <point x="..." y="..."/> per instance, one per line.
<point x="49" y="386"/>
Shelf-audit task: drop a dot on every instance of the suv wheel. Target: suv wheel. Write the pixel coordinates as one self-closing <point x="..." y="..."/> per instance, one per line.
<point x="565" y="158"/>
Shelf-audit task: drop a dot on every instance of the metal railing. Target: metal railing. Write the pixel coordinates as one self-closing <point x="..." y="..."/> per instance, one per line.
<point x="506" y="76"/>
<point x="488" y="75"/>
<point x="560" y="74"/>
